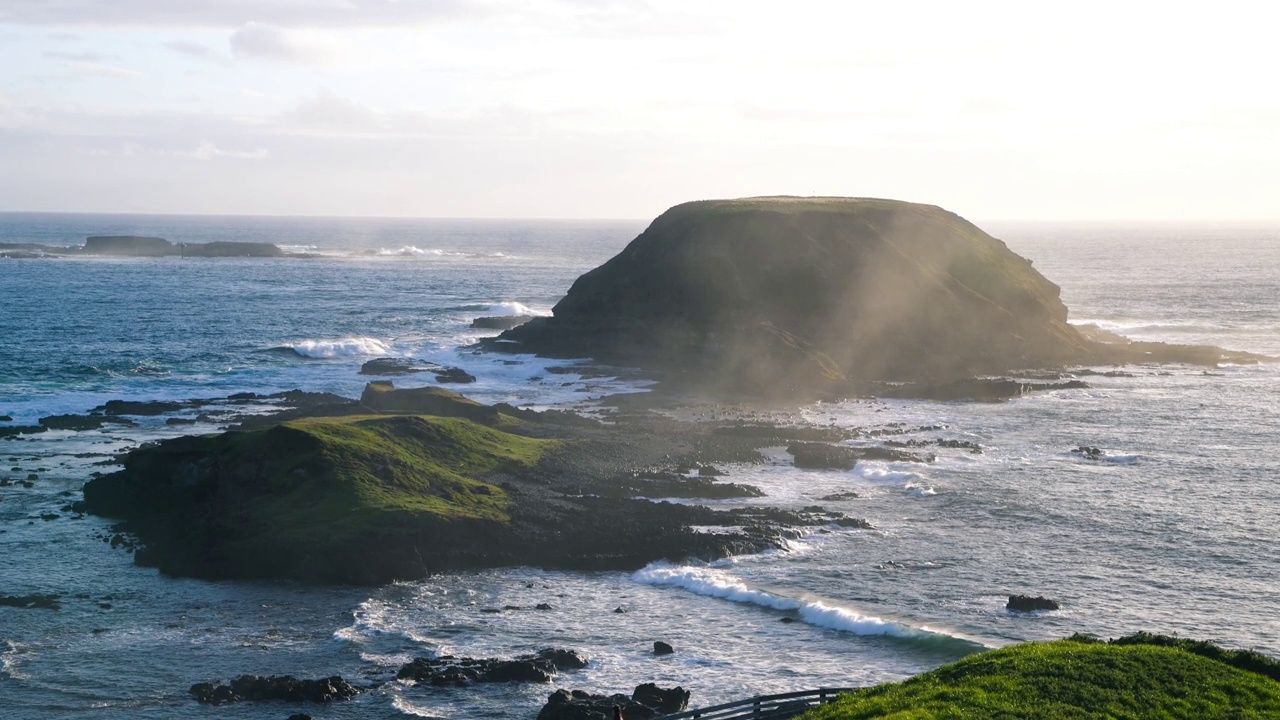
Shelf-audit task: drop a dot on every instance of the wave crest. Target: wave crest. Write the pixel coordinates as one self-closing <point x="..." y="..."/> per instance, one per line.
<point x="345" y="347"/>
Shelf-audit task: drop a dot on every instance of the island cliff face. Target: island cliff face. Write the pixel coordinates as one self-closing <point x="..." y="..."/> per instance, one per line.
<point x="809" y="293"/>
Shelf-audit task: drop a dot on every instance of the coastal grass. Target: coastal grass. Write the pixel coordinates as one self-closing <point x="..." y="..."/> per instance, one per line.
<point x="341" y="474"/>
<point x="1143" y="676"/>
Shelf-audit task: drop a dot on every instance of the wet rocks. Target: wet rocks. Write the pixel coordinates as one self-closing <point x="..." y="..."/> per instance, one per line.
<point x="824" y="456"/>
<point x="663" y="483"/>
<point x="1089" y="453"/>
<point x="81" y="422"/>
<point x="389" y="367"/>
<point x="500" y="322"/>
<point x="661" y="648"/>
<point x="31" y="602"/>
<point x="139" y="407"/>
<point x="646" y="701"/>
<point x="448" y="670"/>
<point x="257" y="688"/>
<point x="1026" y="603"/>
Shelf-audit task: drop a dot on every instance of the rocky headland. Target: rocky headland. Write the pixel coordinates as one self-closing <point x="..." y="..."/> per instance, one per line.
<point x="405" y="483"/>
<point x="800" y="297"/>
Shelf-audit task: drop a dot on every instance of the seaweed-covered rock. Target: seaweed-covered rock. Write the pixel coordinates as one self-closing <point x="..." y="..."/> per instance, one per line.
<point x="450" y="670"/>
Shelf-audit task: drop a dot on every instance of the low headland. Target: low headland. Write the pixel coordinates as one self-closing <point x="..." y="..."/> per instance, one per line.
<point x="778" y="299"/>
<point x="142" y="246"/>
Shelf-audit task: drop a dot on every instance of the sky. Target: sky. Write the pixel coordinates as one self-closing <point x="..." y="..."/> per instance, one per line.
<point x="621" y="108"/>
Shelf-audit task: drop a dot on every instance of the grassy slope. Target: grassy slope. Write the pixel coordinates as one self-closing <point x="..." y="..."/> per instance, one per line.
<point x="1070" y="679"/>
<point x="347" y="475"/>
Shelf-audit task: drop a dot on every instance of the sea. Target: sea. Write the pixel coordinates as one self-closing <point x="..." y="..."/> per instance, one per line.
<point x="1173" y="528"/>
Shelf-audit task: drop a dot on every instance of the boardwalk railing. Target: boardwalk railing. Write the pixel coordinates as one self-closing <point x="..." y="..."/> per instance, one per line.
<point x="764" y="707"/>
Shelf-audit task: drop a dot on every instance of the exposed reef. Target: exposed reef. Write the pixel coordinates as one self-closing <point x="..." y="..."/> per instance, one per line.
<point x="789" y="296"/>
<point x="141" y="246"/>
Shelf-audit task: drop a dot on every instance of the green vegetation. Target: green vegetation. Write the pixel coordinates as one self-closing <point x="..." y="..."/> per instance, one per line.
<point x="315" y="498"/>
<point x="1141" y="676"/>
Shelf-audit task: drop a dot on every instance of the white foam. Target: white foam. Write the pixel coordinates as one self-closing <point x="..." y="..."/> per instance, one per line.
<point x="409" y="708"/>
<point x="511" y="309"/>
<point x="882" y="474"/>
<point x="719" y="584"/>
<point x="919" y="489"/>
<point x="345" y="347"/>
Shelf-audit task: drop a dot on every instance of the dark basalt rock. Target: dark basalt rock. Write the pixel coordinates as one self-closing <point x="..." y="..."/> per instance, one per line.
<point x="661" y="648"/>
<point x="646" y="701"/>
<point x="503" y="322"/>
<point x="388" y="367"/>
<point x="823" y="456"/>
<point x="1089" y="453"/>
<point x="14" y="432"/>
<point x="1026" y="603"/>
<point x="454" y="671"/>
<point x="453" y="375"/>
<point x="256" y="688"/>
<point x="144" y="407"/>
<point x="229" y="249"/>
<point x="81" y="422"/>
<point x="38" y="602"/>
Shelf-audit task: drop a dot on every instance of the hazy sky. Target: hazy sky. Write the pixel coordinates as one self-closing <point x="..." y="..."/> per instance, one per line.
<point x="621" y="108"/>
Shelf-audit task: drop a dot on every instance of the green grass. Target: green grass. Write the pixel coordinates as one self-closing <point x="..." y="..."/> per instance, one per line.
<point x="327" y="477"/>
<point x="1138" y="677"/>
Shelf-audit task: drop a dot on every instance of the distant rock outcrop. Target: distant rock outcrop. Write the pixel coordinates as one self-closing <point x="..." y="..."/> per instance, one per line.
<point x="132" y="245"/>
<point x="811" y="292"/>
<point x="791" y="296"/>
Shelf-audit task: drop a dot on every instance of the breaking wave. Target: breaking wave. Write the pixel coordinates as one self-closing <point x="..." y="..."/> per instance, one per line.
<point x="719" y="584"/>
<point x="345" y="347"/>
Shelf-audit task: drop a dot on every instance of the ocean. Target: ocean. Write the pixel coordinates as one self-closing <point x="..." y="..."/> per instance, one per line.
<point x="1172" y="530"/>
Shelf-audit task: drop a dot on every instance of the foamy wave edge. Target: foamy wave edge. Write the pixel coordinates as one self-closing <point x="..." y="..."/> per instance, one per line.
<point x="710" y="582"/>
<point x="344" y="347"/>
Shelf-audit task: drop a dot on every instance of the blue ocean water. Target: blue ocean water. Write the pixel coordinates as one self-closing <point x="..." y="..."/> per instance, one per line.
<point x="1173" y="531"/>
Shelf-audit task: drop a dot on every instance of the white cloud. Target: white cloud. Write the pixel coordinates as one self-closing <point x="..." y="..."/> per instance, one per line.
<point x="327" y="111"/>
<point x="259" y="41"/>
<point x="229" y="13"/>
<point x="209" y="151"/>
<point x="197" y="50"/>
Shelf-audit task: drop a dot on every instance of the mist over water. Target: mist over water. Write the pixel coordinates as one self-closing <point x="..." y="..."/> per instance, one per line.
<point x="1171" y="531"/>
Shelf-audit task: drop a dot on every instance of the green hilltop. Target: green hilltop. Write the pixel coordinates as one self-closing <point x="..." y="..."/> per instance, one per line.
<point x="1138" y="677"/>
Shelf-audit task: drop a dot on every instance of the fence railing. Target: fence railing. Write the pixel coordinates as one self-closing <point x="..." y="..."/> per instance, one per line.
<point x="764" y="707"/>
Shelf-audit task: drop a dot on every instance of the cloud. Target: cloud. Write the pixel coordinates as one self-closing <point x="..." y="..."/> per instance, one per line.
<point x="259" y="41"/>
<point x="88" y="57"/>
<point x="327" y="111"/>
<point x="209" y="151"/>
<point x="95" y="69"/>
<point x="200" y="51"/>
<point x="230" y="13"/>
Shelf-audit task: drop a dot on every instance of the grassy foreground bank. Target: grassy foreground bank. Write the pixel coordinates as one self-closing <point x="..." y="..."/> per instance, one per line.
<point x="1140" y="676"/>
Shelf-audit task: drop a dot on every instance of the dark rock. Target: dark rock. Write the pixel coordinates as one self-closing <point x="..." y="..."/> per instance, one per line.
<point x="49" y="516"/>
<point x="808" y="293"/>
<point x="979" y="389"/>
<point x="848" y="495"/>
<point x="786" y="620"/>
<point x="131" y="245"/>
<point x="180" y="421"/>
<point x="1089" y="453"/>
<point x="1026" y="603"/>
<point x="5" y="418"/>
<point x="816" y="455"/>
<point x="449" y="670"/>
<point x="383" y="397"/>
<point x="132" y="407"/>
<point x="618" y="610"/>
<point x="393" y="366"/>
<point x="661" y="648"/>
<point x="709" y="471"/>
<point x="502" y="322"/>
<point x="81" y="422"/>
<point x="285" y="687"/>
<point x="105" y="605"/>
<point x="665" y="701"/>
<point x="581" y="705"/>
<point x="229" y="249"/>
<point x="453" y="375"/>
<point x="13" y="432"/>
<point x="40" y="602"/>
<point x="544" y="606"/>
<point x="299" y="716"/>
